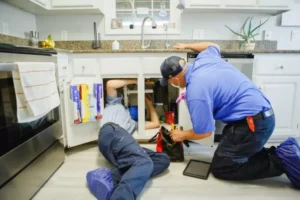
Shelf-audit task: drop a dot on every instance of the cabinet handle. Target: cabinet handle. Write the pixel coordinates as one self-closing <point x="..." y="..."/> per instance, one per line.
<point x="280" y="67"/>
<point x="83" y="67"/>
<point x="64" y="67"/>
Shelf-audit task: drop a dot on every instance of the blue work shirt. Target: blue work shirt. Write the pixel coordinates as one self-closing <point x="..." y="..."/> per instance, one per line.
<point x="216" y="90"/>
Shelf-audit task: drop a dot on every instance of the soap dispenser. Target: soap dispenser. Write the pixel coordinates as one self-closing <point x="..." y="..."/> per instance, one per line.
<point x="115" y="45"/>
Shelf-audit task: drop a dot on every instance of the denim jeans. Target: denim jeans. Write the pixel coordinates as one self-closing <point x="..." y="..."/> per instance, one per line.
<point x="241" y="154"/>
<point x="134" y="165"/>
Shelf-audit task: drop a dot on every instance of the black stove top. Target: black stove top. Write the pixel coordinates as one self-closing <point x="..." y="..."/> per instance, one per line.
<point x="10" y="48"/>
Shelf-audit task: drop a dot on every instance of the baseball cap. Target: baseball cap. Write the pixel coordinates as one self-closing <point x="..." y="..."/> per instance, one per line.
<point x="169" y="68"/>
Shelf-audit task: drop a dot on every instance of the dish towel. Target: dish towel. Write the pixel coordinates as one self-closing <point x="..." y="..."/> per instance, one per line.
<point x="36" y="90"/>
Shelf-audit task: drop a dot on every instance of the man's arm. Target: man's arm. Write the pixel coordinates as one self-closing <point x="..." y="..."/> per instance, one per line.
<point x="196" y="46"/>
<point x="113" y="85"/>
<point x="154" y="121"/>
<point x="179" y="136"/>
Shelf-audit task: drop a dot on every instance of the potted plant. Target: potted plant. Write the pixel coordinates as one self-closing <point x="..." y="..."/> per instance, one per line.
<point x="248" y="35"/>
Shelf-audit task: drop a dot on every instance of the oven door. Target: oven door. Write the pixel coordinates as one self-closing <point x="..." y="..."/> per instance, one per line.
<point x="21" y="143"/>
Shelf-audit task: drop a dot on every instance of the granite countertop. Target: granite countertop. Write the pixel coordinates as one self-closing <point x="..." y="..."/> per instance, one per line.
<point x="233" y="51"/>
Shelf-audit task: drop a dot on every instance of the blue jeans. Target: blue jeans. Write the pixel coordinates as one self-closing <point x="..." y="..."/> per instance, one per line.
<point x="241" y="154"/>
<point x="134" y="164"/>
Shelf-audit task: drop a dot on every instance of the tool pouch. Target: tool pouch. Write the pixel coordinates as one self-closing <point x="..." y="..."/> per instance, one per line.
<point x="164" y="143"/>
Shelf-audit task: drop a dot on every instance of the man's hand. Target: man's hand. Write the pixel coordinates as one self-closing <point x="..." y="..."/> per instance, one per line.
<point x="180" y="46"/>
<point x="178" y="135"/>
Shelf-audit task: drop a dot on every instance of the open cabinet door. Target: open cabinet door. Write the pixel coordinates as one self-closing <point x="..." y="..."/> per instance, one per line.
<point x="83" y="132"/>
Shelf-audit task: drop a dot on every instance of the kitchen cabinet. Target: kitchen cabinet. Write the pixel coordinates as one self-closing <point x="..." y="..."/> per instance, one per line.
<point x="278" y="76"/>
<point x="270" y="7"/>
<point x="274" y="3"/>
<point x="239" y="3"/>
<point x="283" y="93"/>
<point x="46" y="7"/>
<point x="193" y="3"/>
<point x="43" y="3"/>
<point x="73" y="3"/>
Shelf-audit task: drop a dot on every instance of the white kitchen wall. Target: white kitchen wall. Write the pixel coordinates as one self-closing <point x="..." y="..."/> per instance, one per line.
<point x="20" y="22"/>
<point x="78" y="27"/>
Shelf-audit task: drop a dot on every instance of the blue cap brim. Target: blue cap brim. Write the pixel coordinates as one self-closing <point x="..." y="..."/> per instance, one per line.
<point x="163" y="82"/>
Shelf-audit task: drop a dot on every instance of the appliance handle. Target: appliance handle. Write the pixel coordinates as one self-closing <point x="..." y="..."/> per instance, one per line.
<point x="7" y="67"/>
<point x="239" y="60"/>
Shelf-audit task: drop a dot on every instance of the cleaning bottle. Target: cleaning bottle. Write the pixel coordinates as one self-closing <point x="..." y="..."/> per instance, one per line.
<point x="115" y="45"/>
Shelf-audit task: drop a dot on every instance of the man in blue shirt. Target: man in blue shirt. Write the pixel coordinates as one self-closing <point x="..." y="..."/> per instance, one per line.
<point x="215" y="90"/>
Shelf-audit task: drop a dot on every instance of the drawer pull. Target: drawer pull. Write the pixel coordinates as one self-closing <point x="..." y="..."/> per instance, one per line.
<point x="280" y="67"/>
<point x="83" y="67"/>
<point x="64" y="67"/>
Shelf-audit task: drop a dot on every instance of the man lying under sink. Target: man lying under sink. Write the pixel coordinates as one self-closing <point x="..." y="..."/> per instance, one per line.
<point x="134" y="165"/>
<point x="215" y="90"/>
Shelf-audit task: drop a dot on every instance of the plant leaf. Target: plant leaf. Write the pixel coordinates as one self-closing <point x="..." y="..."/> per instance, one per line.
<point x="235" y="32"/>
<point x="259" y="26"/>
<point x="244" y="25"/>
<point x="249" y="29"/>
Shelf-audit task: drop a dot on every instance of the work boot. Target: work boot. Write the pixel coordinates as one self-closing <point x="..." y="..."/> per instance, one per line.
<point x="100" y="183"/>
<point x="289" y="153"/>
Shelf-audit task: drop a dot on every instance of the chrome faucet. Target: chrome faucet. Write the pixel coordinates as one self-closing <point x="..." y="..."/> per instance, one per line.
<point x="153" y="26"/>
<point x="167" y="45"/>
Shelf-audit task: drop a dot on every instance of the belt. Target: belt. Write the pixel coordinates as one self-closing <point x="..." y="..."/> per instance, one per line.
<point x="260" y="115"/>
<point x="263" y="115"/>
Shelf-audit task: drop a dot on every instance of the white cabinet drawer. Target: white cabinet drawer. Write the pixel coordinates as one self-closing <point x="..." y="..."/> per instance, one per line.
<point x="85" y="67"/>
<point x="199" y="3"/>
<point x="120" y="66"/>
<point x="274" y="3"/>
<point x="287" y="66"/>
<point x="240" y="3"/>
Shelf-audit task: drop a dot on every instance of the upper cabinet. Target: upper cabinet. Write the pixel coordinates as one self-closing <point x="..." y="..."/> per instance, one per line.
<point x="46" y="7"/>
<point x="272" y="7"/>
<point x="274" y="3"/>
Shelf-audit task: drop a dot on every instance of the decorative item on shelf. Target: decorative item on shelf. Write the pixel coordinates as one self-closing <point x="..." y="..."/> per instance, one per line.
<point x="116" y="24"/>
<point x="163" y="13"/>
<point x="86" y="100"/>
<point x="48" y="42"/>
<point x="248" y="35"/>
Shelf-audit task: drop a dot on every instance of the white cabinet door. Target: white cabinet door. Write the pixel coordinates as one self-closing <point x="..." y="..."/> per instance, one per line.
<point x="72" y="3"/>
<point x="199" y="3"/>
<point x="77" y="134"/>
<point x="283" y="93"/>
<point x="274" y="3"/>
<point x="240" y="3"/>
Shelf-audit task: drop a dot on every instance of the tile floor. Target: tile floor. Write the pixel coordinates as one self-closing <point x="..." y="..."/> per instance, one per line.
<point x="69" y="182"/>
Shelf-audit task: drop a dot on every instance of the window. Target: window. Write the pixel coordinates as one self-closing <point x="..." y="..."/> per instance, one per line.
<point x="134" y="11"/>
<point x="120" y="14"/>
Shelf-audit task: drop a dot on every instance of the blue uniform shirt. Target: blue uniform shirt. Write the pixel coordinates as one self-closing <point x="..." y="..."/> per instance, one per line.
<point x="216" y="90"/>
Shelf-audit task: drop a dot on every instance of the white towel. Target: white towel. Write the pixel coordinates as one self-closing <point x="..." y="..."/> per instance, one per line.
<point x="36" y="90"/>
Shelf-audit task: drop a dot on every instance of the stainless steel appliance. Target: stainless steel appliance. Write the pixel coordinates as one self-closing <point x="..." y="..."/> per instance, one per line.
<point x="243" y="62"/>
<point x="29" y="152"/>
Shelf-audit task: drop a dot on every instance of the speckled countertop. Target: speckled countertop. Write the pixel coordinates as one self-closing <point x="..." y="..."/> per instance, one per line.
<point x="157" y="46"/>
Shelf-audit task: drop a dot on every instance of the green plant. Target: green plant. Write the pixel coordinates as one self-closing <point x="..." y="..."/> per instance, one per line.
<point x="249" y="34"/>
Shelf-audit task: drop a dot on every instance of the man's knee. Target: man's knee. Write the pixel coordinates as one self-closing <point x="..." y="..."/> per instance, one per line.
<point x="165" y="160"/>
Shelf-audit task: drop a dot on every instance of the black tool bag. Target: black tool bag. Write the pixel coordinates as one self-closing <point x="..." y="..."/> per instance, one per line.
<point x="164" y="143"/>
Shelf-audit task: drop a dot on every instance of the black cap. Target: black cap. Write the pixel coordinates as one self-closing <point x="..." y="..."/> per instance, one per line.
<point x="169" y="68"/>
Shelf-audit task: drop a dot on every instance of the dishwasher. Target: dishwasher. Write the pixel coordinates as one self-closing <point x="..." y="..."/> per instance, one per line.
<point x="243" y="62"/>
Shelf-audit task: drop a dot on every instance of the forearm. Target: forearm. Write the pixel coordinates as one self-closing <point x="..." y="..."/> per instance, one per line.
<point x="113" y="85"/>
<point x="154" y="120"/>
<point x="191" y="135"/>
<point x="200" y="46"/>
